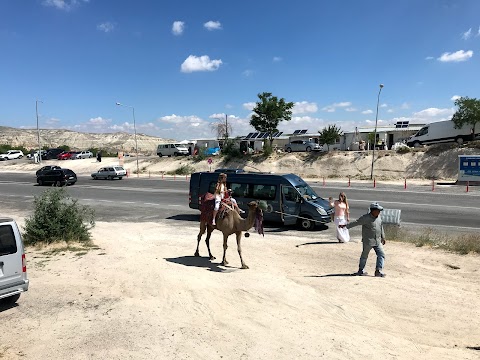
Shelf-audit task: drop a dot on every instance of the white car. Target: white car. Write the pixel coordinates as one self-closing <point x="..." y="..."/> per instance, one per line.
<point x="83" y="155"/>
<point x="109" y="173"/>
<point x="11" y="155"/>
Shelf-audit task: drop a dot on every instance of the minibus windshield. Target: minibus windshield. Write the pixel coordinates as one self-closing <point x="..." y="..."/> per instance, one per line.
<point x="307" y="192"/>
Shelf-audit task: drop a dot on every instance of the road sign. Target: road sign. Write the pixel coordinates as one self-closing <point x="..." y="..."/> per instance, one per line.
<point x="210" y="160"/>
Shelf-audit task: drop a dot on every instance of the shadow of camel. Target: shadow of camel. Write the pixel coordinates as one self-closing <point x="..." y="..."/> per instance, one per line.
<point x="185" y="217"/>
<point x="200" y="262"/>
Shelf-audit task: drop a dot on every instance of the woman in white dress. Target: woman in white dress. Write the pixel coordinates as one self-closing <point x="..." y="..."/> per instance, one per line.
<point x="342" y="217"/>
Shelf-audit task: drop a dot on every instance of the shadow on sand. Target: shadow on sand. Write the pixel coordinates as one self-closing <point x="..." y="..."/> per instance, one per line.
<point x="201" y="262"/>
<point x="332" y="275"/>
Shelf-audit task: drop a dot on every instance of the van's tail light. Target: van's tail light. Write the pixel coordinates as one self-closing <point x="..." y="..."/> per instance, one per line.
<point x="24" y="263"/>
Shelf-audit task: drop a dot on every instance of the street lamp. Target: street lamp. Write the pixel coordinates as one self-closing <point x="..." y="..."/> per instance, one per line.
<point x="38" y="131"/>
<point x="134" y="130"/>
<point x="375" y="136"/>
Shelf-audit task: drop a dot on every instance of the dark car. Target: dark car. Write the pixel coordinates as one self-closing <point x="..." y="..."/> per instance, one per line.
<point x="229" y="171"/>
<point x="46" y="168"/>
<point x="52" y="154"/>
<point x="57" y="177"/>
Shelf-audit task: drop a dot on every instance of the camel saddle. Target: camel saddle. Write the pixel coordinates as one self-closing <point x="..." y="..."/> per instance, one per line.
<point x="208" y="204"/>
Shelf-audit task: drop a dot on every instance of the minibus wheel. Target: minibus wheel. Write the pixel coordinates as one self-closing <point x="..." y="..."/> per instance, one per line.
<point x="306" y="224"/>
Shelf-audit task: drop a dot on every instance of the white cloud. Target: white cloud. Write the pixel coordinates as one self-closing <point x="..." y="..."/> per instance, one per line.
<point x="478" y="33"/>
<point x="434" y="112"/>
<point x="384" y="105"/>
<point x="64" y="4"/>
<point x="367" y="112"/>
<point x="277" y="59"/>
<point x="178" y="27"/>
<point x="249" y="105"/>
<point x="212" y="25"/>
<point x="455" y="97"/>
<point x="405" y="106"/>
<point x="429" y="58"/>
<point x="304" y="107"/>
<point x="200" y="63"/>
<point x="247" y="73"/>
<point x="334" y="106"/>
<point x="426" y="116"/>
<point x="467" y="34"/>
<point x="52" y="121"/>
<point x="390" y="110"/>
<point x="457" y="56"/>
<point x="106" y="27"/>
<point x="350" y="109"/>
<point x="98" y="121"/>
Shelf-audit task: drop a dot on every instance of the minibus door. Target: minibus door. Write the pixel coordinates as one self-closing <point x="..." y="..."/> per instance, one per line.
<point x="290" y="205"/>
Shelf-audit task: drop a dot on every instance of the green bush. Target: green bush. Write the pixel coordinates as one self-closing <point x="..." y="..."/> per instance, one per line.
<point x="403" y="150"/>
<point x="267" y="149"/>
<point x="58" y="218"/>
<point x="182" y="170"/>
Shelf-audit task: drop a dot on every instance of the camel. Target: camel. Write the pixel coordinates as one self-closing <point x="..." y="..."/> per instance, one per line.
<point x="232" y="223"/>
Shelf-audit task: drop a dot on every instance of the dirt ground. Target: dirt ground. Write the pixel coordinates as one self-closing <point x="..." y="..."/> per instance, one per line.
<point x="143" y="295"/>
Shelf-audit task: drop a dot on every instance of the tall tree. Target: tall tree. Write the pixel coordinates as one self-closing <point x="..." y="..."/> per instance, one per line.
<point x="468" y="112"/>
<point x="222" y="129"/>
<point x="268" y="112"/>
<point x="329" y="135"/>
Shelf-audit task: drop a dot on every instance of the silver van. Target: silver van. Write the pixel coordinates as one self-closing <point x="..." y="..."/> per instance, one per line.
<point x="171" y="149"/>
<point x="13" y="268"/>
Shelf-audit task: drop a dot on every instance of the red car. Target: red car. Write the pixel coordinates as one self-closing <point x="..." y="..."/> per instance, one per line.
<point x="65" y="155"/>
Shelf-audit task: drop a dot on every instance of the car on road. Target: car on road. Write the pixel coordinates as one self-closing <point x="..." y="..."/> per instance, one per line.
<point x="11" y="155"/>
<point x="302" y="145"/>
<point x="57" y="177"/>
<point x="65" y="155"/>
<point x="83" y="155"/>
<point x="110" y="173"/>
<point x="47" y="168"/>
<point x="13" y="268"/>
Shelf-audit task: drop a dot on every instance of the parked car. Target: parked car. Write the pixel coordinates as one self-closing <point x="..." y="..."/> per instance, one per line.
<point x="30" y="156"/>
<point x="110" y="172"/>
<point x="57" y="177"/>
<point x="11" y="155"/>
<point x="302" y="145"/>
<point x="52" y="153"/>
<point x="13" y="268"/>
<point x="47" y="168"/>
<point x="65" y="155"/>
<point x="83" y="155"/>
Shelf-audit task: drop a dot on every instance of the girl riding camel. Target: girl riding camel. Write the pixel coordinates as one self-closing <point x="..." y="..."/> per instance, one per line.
<point x="221" y="192"/>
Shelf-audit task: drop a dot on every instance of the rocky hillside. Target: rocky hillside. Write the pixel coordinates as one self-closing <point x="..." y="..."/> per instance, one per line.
<point x="111" y="142"/>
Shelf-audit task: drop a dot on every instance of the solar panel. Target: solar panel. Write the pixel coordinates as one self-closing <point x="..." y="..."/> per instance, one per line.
<point x="296" y="132"/>
<point x="261" y="135"/>
<point x="249" y="136"/>
<point x="280" y="133"/>
<point x="402" y="124"/>
<point x="265" y="135"/>
<point x="254" y="135"/>
<point x="303" y="131"/>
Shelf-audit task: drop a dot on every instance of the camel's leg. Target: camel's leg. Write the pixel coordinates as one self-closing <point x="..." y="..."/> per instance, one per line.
<point x="203" y="227"/>
<point x="239" y="249"/>
<point x="207" y="240"/>
<point x="225" y="239"/>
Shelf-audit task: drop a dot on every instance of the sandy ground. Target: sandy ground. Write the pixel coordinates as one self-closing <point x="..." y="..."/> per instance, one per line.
<point x="143" y="295"/>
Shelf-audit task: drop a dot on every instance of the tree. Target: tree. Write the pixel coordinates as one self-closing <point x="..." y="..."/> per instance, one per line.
<point x="222" y="129"/>
<point x="329" y="135"/>
<point x="468" y="113"/>
<point x="269" y="111"/>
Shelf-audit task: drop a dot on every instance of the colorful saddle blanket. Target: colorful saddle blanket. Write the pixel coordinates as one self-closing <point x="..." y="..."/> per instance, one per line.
<point x="208" y="204"/>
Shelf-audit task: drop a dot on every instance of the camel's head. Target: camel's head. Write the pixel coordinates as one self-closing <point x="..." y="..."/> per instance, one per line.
<point x="257" y="207"/>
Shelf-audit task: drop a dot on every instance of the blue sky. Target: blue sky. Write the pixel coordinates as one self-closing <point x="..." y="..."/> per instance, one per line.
<point x="183" y="65"/>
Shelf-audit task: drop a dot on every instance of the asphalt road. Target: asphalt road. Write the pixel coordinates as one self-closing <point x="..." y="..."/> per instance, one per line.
<point x="447" y="208"/>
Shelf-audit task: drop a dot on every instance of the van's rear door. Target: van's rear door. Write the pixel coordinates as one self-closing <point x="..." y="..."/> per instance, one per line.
<point x="10" y="258"/>
<point x="194" y="193"/>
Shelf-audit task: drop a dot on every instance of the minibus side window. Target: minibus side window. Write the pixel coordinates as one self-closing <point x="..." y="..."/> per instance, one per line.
<point x="240" y="190"/>
<point x="264" y="192"/>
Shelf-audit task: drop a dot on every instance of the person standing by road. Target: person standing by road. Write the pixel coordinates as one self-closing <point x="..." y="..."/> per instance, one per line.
<point x="373" y="236"/>
<point x="342" y="217"/>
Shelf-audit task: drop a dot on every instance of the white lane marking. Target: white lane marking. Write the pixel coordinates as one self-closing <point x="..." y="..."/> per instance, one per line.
<point x="417" y="204"/>
<point x="173" y="205"/>
<point x="445" y="226"/>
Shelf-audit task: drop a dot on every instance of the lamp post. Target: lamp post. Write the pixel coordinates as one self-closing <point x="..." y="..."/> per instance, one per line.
<point x="134" y="130"/>
<point x="38" y="132"/>
<point x="375" y="136"/>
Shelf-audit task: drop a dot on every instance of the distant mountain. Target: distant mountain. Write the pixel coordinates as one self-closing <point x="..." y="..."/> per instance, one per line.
<point x="112" y="142"/>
